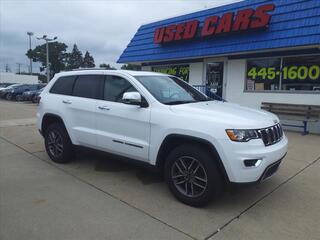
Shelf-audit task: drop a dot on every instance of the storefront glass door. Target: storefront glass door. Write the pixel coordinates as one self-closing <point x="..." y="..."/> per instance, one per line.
<point x="214" y="77"/>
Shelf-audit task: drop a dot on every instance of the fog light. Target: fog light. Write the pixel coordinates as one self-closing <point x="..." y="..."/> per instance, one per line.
<point x="252" y="162"/>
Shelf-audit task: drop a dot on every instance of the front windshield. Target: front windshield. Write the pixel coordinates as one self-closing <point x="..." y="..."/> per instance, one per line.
<point x="171" y="90"/>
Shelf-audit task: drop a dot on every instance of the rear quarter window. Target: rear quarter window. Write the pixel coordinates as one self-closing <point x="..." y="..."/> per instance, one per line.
<point x="63" y="85"/>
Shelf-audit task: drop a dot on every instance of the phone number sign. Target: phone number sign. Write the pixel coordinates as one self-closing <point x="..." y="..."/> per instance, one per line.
<point x="301" y="73"/>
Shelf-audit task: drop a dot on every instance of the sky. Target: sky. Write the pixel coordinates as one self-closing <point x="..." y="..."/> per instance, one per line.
<point x="104" y="27"/>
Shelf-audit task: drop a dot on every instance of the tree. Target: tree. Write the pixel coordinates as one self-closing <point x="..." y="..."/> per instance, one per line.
<point x="131" y="67"/>
<point x="57" y="56"/>
<point x="107" y="66"/>
<point x="74" y="59"/>
<point x="41" y="77"/>
<point x="88" y="61"/>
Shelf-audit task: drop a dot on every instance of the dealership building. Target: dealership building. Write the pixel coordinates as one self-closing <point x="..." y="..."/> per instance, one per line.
<point x="247" y="52"/>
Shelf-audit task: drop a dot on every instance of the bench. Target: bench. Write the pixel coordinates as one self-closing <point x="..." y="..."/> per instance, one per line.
<point x="294" y="112"/>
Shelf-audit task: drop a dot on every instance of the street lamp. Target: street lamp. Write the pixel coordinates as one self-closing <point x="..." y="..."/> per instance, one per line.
<point x="44" y="37"/>
<point x="30" y="34"/>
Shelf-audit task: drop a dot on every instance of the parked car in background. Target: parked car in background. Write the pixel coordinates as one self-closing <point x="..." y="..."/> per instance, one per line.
<point x="16" y="92"/>
<point x="28" y="95"/>
<point x="36" y="97"/>
<point x="5" y="85"/>
<point x="4" y="92"/>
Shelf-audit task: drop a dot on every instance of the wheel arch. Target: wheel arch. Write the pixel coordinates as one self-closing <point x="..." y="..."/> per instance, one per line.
<point x="173" y="140"/>
<point x="50" y="118"/>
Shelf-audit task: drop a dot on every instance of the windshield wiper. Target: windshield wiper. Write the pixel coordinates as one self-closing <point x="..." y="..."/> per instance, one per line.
<point x="207" y="100"/>
<point x="179" y="102"/>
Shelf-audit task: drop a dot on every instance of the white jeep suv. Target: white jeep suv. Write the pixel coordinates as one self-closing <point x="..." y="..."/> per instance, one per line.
<point x="197" y="142"/>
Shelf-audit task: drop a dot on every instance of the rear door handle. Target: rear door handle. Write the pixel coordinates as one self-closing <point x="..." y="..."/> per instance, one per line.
<point x="104" y="108"/>
<point x="66" y="101"/>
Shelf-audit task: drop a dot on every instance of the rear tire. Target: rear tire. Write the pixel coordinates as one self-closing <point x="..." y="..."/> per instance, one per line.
<point x="58" y="144"/>
<point x="192" y="175"/>
<point x="18" y="98"/>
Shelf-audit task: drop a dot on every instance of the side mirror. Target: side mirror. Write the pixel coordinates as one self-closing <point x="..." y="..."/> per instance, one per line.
<point x="134" y="98"/>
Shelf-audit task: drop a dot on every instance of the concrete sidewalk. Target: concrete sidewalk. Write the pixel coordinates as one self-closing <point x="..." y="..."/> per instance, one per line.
<point x="100" y="197"/>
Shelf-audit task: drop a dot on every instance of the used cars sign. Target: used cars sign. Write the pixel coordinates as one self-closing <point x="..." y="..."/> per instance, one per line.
<point x="242" y="20"/>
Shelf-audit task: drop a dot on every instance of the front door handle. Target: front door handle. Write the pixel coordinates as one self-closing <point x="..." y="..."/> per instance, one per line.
<point x="104" y="108"/>
<point x="66" y="101"/>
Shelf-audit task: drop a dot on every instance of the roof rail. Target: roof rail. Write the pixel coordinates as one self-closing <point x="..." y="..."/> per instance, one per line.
<point x="79" y="69"/>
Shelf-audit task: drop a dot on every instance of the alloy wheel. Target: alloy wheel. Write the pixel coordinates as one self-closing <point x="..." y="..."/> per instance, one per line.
<point x="189" y="176"/>
<point x="55" y="144"/>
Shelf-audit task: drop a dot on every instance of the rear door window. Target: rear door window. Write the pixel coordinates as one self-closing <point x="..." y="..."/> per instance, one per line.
<point x="63" y="85"/>
<point x="88" y="86"/>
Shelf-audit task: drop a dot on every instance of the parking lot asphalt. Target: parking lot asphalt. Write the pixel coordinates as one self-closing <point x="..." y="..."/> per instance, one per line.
<point x="100" y="197"/>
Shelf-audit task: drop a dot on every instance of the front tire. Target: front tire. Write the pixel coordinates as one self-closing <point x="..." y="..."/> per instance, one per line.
<point x="9" y="96"/>
<point x="192" y="175"/>
<point x="58" y="144"/>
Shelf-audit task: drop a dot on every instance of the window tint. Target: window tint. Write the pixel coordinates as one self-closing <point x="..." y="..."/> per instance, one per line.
<point x="88" y="86"/>
<point x="115" y="87"/>
<point x="63" y="85"/>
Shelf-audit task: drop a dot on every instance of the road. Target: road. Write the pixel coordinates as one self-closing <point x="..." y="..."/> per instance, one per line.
<point x="100" y="197"/>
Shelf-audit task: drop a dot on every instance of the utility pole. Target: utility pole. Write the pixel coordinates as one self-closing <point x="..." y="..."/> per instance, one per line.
<point x="30" y="34"/>
<point x="44" y="37"/>
<point x="19" y="67"/>
<point x="7" y="68"/>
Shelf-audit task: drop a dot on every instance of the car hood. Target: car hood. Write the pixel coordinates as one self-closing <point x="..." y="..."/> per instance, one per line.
<point x="7" y="89"/>
<point x="231" y="114"/>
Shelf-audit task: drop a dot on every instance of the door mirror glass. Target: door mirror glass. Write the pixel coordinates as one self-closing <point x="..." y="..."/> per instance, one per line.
<point x="133" y="98"/>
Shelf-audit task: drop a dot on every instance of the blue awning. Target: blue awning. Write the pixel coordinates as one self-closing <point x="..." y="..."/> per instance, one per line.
<point x="294" y="23"/>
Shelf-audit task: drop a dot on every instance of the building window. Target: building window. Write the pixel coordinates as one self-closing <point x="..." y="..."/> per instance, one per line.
<point x="181" y="71"/>
<point x="301" y="73"/>
<point x="298" y="73"/>
<point x="263" y="74"/>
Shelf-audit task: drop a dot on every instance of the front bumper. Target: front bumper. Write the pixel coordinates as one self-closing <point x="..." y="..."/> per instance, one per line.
<point x="235" y="153"/>
<point x="270" y="170"/>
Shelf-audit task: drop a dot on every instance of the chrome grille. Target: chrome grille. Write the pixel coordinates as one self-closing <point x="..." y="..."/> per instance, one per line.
<point x="271" y="135"/>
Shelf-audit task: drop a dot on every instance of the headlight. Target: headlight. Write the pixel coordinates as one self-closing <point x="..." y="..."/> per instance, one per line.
<point x="242" y="135"/>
